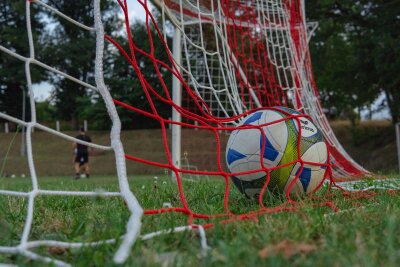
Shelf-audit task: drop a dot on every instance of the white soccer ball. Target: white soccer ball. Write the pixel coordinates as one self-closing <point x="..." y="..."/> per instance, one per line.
<point x="12" y="175"/>
<point x="279" y="143"/>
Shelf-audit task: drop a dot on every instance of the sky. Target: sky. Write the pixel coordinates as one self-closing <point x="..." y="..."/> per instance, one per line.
<point x="383" y="114"/>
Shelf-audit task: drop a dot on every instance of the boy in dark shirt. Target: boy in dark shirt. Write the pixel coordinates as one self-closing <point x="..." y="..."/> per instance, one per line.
<point x="81" y="153"/>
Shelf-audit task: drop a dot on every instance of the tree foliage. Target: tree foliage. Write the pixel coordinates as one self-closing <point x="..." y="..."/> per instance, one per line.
<point x="12" y="71"/>
<point x="355" y="52"/>
<point x="71" y="50"/>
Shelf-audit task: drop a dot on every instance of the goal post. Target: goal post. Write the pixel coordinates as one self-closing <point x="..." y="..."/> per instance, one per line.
<point x="398" y="142"/>
<point x="177" y="99"/>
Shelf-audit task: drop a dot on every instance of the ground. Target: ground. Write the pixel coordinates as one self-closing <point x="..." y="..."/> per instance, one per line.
<point x="362" y="231"/>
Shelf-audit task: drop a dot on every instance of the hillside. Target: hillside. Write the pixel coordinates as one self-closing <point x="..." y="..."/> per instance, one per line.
<point x="372" y="144"/>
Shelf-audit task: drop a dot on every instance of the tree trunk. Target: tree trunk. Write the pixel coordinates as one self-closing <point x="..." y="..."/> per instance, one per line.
<point x="393" y="100"/>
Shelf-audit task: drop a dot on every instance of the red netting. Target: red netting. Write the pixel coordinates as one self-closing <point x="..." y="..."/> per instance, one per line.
<point x="258" y="72"/>
<point x="249" y="48"/>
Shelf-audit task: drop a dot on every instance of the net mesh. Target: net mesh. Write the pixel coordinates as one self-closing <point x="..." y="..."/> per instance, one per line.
<point x="250" y="54"/>
<point x="237" y="57"/>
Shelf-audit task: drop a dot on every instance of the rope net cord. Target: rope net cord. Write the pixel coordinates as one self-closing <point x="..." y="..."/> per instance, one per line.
<point x="237" y="57"/>
<point x="259" y="50"/>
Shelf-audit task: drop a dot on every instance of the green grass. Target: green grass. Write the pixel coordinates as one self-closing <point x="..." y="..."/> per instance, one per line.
<point x="363" y="233"/>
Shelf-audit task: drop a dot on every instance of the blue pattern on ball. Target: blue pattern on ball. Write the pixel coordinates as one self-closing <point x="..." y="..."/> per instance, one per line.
<point x="234" y="155"/>
<point x="253" y="118"/>
<point x="270" y="152"/>
<point x="305" y="177"/>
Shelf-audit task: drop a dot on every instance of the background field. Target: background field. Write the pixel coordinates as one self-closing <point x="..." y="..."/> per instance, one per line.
<point x="372" y="144"/>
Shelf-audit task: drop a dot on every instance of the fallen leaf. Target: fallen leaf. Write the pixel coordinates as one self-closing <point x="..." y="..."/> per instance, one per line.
<point x="55" y="224"/>
<point x="57" y="250"/>
<point x="287" y="248"/>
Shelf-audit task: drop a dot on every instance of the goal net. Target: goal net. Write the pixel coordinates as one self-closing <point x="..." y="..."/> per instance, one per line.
<point x="240" y="55"/>
<point x="228" y="58"/>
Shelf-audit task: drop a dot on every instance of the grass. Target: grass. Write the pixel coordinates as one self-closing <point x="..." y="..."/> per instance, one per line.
<point x="363" y="233"/>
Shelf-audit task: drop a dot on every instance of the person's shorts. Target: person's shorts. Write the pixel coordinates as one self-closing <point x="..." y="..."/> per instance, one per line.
<point x="82" y="158"/>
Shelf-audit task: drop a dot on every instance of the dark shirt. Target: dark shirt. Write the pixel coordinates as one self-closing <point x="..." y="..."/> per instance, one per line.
<point x="82" y="149"/>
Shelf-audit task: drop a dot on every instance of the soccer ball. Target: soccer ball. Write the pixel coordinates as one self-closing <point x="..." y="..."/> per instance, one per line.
<point x="279" y="144"/>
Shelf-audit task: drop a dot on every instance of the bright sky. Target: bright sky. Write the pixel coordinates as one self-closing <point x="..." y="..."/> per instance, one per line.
<point x="383" y="114"/>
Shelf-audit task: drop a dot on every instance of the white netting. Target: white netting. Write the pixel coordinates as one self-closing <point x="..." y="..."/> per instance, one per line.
<point x="26" y="246"/>
<point x="216" y="68"/>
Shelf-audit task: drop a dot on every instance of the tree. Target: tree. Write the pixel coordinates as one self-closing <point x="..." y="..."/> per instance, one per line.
<point x="382" y="34"/>
<point x="334" y="57"/>
<point x="71" y="50"/>
<point x="355" y="52"/>
<point x="13" y="84"/>
<point x="45" y="111"/>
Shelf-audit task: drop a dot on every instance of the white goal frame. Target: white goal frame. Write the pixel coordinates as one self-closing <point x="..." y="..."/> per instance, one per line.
<point x="397" y="126"/>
